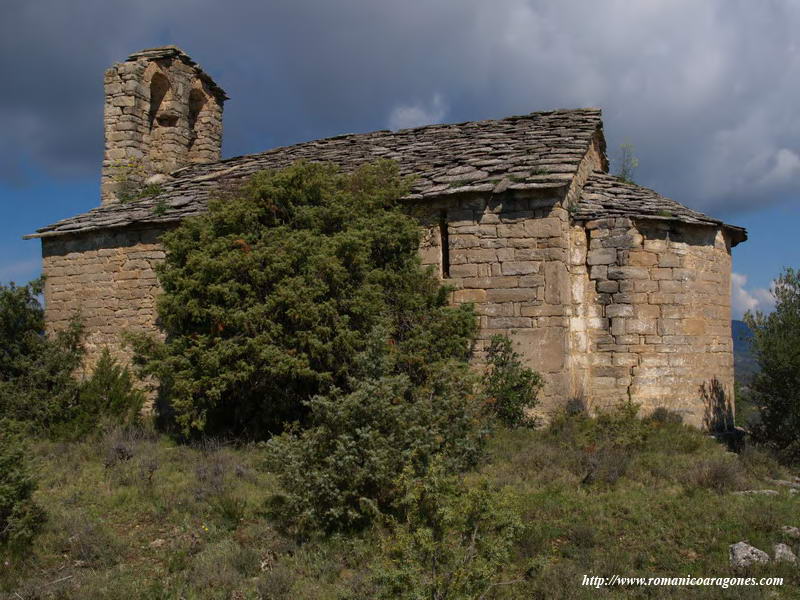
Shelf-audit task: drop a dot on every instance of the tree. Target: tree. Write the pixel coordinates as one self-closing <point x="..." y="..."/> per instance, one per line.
<point x="627" y="162"/>
<point x="270" y="295"/>
<point x="37" y="386"/>
<point x="21" y="327"/>
<point x="40" y="391"/>
<point x="775" y="389"/>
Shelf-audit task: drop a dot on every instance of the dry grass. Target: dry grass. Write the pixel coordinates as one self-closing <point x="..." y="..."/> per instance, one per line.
<point x="133" y="515"/>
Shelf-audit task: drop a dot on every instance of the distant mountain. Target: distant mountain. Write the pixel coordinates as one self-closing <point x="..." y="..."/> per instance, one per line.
<point x="744" y="363"/>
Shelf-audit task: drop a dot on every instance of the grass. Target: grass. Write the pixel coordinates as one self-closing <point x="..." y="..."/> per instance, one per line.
<point x="134" y="515"/>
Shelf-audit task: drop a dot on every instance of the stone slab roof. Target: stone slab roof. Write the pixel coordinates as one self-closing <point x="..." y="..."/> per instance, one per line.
<point x="605" y="196"/>
<point x="536" y="151"/>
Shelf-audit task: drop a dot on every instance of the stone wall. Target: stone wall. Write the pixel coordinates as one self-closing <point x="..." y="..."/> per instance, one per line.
<point x="655" y="322"/>
<point x="108" y="278"/>
<point x="509" y="257"/>
<point x="610" y="310"/>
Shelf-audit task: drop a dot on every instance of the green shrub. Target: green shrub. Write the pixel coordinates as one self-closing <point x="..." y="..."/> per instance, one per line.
<point x="775" y="389"/>
<point x="37" y="387"/>
<point x="665" y="416"/>
<point x="20" y="516"/>
<point x="510" y="388"/>
<point x="344" y="469"/>
<point x="21" y="327"/>
<point x="451" y="542"/>
<point x="110" y="394"/>
<point x="270" y="295"/>
<point x="40" y="386"/>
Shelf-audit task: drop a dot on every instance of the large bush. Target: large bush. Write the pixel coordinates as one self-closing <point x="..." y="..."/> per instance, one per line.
<point x="270" y="295"/>
<point x="775" y="389"/>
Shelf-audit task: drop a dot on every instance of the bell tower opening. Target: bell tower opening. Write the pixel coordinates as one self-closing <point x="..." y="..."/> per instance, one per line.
<point x="162" y="113"/>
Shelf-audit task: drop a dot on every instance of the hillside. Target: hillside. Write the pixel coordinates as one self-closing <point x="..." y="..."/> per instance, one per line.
<point x="133" y="515"/>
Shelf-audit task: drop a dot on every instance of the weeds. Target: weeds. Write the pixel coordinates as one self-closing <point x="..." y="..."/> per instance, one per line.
<point x="658" y="501"/>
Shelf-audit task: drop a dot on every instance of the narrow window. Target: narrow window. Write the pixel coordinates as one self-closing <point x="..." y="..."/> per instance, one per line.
<point x="445" y="241"/>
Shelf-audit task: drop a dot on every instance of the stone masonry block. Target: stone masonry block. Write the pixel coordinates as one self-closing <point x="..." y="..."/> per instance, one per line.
<point x="602" y="256"/>
<point x="475" y="295"/>
<point x="520" y="268"/>
<point x="628" y="273"/>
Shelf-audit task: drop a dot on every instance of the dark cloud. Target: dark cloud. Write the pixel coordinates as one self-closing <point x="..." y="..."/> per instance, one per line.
<point x="706" y="91"/>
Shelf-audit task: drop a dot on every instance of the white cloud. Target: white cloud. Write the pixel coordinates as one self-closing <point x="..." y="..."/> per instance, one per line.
<point x="743" y="299"/>
<point x="415" y="115"/>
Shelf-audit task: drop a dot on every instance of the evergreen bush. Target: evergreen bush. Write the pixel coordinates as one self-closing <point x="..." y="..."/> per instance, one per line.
<point x="451" y="542"/>
<point x="345" y="469"/>
<point x="40" y="385"/>
<point x="270" y="295"/>
<point x="20" y="516"/>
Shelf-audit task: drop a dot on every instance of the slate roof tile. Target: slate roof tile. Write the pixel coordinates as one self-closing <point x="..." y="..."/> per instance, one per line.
<point x="605" y="196"/>
<point x="537" y="151"/>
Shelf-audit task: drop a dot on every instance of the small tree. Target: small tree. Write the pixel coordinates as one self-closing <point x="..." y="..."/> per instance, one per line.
<point x="37" y="386"/>
<point x="627" y="162"/>
<point x="775" y="389"/>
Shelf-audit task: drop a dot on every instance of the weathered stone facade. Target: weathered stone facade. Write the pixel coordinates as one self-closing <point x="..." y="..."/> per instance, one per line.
<point x="162" y="112"/>
<point x="109" y="279"/>
<point x="611" y="291"/>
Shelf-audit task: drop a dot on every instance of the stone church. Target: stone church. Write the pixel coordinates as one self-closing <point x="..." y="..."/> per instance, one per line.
<point x="610" y="290"/>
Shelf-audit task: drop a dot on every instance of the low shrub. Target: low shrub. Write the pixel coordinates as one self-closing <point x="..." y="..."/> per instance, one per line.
<point x="510" y="388"/>
<point x="276" y="583"/>
<point x="346" y="467"/>
<point x="665" y="416"/>
<point x="110" y="393"/>
<point x="449" y="542"/>
<point x="719" y="473"/>
<point x="89" y="542"/>
<point x="20" y="517"/>
<point x="131" y="456"/>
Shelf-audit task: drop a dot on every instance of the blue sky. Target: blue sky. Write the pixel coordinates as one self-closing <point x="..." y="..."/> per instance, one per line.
<point x="705" y="91"/>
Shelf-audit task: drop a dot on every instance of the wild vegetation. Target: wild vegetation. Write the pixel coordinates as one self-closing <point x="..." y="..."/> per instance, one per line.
<point x="319" y="434"/>
<point x="134" y="514"/>
<point x="775" y="388"/>
<point x="271" y="296"/>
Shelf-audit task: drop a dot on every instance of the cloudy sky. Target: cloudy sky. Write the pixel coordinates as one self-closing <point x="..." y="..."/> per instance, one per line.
<point x="707" y="91"/>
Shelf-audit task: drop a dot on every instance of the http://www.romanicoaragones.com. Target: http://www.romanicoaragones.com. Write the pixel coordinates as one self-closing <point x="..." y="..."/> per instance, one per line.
<point x="598" y="581"/>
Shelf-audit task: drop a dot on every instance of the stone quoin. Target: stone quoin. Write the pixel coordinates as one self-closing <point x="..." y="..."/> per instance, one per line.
<point x="610" y="290"/>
